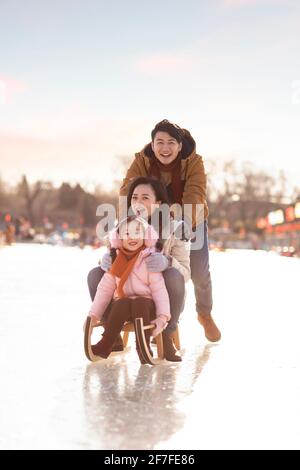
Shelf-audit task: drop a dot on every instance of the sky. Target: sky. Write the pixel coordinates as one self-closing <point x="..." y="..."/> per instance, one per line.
<point x="83" y="82"/>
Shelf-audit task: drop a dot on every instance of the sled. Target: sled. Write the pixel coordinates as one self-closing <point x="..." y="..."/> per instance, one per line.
<point x="139" y="328"/>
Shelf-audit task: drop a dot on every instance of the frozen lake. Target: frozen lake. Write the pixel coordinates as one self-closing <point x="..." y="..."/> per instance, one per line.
<point x="243" y="393"/>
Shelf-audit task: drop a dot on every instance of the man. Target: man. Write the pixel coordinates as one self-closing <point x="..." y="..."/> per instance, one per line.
<point x="171" y="157"/>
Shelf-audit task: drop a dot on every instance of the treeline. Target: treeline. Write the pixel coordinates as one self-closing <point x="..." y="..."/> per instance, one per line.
<point x="240" y="193"/>
<point x="237" y="195"/>
<point x="41" y="201"/>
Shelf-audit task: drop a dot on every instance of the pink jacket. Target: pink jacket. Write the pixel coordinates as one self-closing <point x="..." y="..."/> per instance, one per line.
<point x="140" y="283"/>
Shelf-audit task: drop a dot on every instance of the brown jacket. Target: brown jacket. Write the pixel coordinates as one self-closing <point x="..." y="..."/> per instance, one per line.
<point x="192" y="174"/>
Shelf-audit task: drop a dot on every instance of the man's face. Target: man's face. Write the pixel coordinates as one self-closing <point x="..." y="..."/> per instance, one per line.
<point x="165" y="147"/>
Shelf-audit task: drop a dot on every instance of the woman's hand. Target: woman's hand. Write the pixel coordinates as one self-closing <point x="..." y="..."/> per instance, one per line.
<point x="157" y="262"/>
<point x="106" y="262"/>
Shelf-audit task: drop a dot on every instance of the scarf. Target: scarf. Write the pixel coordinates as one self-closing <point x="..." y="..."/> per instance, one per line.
<point x="156" y="167"/>
<point x="123" y="265"/>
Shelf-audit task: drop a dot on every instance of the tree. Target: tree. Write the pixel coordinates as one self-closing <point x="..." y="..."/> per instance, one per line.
<point x="88" y="209"/>
<point x="3" y="197"/>
<point x="29" y="196"/>
<point x="68" y="197"/>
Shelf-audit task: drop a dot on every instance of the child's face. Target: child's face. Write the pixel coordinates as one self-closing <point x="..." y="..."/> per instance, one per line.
<point x="132" y="235"/>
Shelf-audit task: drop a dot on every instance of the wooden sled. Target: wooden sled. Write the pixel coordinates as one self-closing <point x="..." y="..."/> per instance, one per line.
<point x="139" y="328"/>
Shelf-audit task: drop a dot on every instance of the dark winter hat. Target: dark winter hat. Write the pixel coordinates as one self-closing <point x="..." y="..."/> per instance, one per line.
<point x="169" y="127"/>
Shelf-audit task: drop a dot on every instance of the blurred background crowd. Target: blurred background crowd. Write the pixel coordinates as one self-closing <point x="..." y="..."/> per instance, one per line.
<point x="249" y="209"/>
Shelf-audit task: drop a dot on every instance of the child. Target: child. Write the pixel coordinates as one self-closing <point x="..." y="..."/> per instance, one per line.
<point x="135" y="291"/>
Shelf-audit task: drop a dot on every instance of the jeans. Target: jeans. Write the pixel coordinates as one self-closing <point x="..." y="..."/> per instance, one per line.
<point x="174" y="283"/>
<point x="200" y="273"/>
<point x="93" y="279"/>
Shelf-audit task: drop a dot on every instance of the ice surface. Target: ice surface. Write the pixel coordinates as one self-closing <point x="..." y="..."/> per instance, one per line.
<point x="241" y="393"/>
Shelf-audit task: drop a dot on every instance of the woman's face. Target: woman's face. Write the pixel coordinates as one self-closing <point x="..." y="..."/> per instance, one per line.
<point x="143" y="201"/>
<point x="165" y="147"/>
<point x="132" y="235"/>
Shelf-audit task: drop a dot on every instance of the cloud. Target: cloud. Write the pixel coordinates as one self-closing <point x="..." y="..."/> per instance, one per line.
<point x="9" y="87"/>
<point x="169" y="63"/>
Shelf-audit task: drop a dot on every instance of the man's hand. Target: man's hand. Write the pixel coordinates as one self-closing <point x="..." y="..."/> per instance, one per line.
<point x="157" y="262"/>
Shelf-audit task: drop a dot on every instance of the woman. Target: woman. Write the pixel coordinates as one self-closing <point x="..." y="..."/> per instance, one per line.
<point x="171" y="156"/>
<point x="148" y="194"/>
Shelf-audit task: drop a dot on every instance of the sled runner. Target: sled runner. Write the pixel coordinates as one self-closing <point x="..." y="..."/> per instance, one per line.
<point x="87" y="341"/>
<point x="142" y="344"/>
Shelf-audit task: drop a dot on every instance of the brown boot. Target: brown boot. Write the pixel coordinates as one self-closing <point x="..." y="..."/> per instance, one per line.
<point x="102" y="348"/>
<point x="169" y="349"/>
<point x="118" y="344"/>
<point x="211" y="330"/>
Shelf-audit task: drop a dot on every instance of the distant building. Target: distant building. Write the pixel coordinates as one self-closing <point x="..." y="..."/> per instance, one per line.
<point x="281" y="229"/>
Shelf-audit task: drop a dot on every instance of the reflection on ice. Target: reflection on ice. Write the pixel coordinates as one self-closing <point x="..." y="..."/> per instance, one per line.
<point x="128" y="406"/>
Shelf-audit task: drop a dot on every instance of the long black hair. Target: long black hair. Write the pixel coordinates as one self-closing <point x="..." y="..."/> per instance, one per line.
<point x="158" y="187"/>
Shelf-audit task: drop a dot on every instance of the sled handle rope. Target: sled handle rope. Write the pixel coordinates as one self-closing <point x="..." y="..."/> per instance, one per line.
<point x="139" y="329"/>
